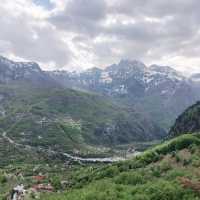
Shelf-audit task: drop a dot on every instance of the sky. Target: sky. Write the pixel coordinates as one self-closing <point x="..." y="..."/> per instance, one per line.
<point x="79" y="34"/>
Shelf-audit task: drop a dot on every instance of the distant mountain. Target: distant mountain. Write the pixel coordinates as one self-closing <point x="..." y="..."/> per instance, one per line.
<point x="11" y="71"/>
<point x="35" y="110"/>
<point x="125" y="78"/>
<point x="158" y="91"/>
<point x="187" y="122"/>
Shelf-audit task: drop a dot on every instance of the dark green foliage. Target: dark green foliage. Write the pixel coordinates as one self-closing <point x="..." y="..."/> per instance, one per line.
<point x="110" y="171"/>
<point x="156" y="171"/>
<point x="187" y="122"/>
<point x="56" y="183"/>
<point x="177" y="157"/>
<point x="3" y="179"/>
<point x="127" y="178"/>
<point x="164" y="190"/>
<point x="186" y="162"/>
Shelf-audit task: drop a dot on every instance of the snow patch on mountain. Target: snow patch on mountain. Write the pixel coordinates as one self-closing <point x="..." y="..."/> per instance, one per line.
<point x="129" y="77"/>
<point x="105" y="78"/>
<point x="121" y="89"/>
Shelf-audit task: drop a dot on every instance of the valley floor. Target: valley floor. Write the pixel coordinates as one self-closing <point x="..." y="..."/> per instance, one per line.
<point x="121" y="153"/>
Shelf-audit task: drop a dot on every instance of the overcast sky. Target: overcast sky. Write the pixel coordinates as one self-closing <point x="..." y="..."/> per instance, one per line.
<point x="78" y="34"/>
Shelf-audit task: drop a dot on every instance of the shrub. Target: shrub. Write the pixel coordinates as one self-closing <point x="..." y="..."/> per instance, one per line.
<point x="110" y="171"/>
<point x="193" y="148"/>
<point x="128" y="178"/>
<point x="186" y="161"/>
<point x="165" y="190"/>
<point x="179" y="143"/>
<point x="173" y="174"/>
<point x="156" y="171"/>
<point x="3" y="179"/>
<point x="177" y="157"/>
<point x="195" y="160"/>
<point x="173" y="154"/>
<point x="141" y="197"/>
<point x="56" y="183"/>
<point x="165" y="166"/>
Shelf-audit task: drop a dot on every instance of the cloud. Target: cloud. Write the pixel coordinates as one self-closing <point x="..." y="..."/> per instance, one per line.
<point x="44" y="3"/>
<point x="81" y="16"/>
<point x="26" y="33"/>
<point x="84" y="33"/>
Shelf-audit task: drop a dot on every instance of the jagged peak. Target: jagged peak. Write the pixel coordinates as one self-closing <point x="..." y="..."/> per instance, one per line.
<point x="161" y="68"/>
<point x="93" y="70"/>
<point x="15" y="65"/>
<point x="166" y="71"/>
<point x="128" y="66"/>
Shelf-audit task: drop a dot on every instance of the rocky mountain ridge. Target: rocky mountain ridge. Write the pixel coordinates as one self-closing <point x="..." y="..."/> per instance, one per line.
<point x="159" y="91"/>
<point x="11" y="71"/>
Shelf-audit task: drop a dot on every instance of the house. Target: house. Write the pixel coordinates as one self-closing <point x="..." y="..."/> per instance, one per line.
<point x="39" y="178"/>
<point x="18" y="192"/>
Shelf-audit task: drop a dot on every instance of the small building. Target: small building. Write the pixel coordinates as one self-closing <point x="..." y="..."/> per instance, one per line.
<point x="18" y="192"/>
<point x="39" y="178"/>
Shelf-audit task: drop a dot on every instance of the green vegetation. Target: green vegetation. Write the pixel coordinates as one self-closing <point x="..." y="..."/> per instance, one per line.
<point x="34" y="120"/>
<point x="67" y="120"/>
<point x="169" y="171"/>
<point x="154" y="175"/>
<point x="187" y="122"/>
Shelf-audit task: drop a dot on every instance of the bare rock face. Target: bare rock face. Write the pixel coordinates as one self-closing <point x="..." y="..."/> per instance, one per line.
<point x="11" y="71"/>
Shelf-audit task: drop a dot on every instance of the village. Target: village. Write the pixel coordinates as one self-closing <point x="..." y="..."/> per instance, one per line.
<point x="30" y="181"/>
<point x="20" y="192"/>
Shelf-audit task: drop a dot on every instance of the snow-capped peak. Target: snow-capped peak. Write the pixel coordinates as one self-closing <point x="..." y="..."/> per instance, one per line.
<point x="166" y="71"/>
<point x="160" y="68"/>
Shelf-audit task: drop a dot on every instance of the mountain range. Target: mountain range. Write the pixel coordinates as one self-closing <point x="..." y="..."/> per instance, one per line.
<point x="36" y="110"/>
<point x="159" y="92"/>
<point x="70" y="111"/>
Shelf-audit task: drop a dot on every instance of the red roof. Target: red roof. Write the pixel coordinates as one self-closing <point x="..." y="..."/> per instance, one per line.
<point x="39" y="178"/>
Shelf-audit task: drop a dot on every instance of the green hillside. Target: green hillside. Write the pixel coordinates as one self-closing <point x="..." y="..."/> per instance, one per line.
<point x="69" y="120"/>
<point x="169" y="171"/>
<point x="187" y="122"/>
